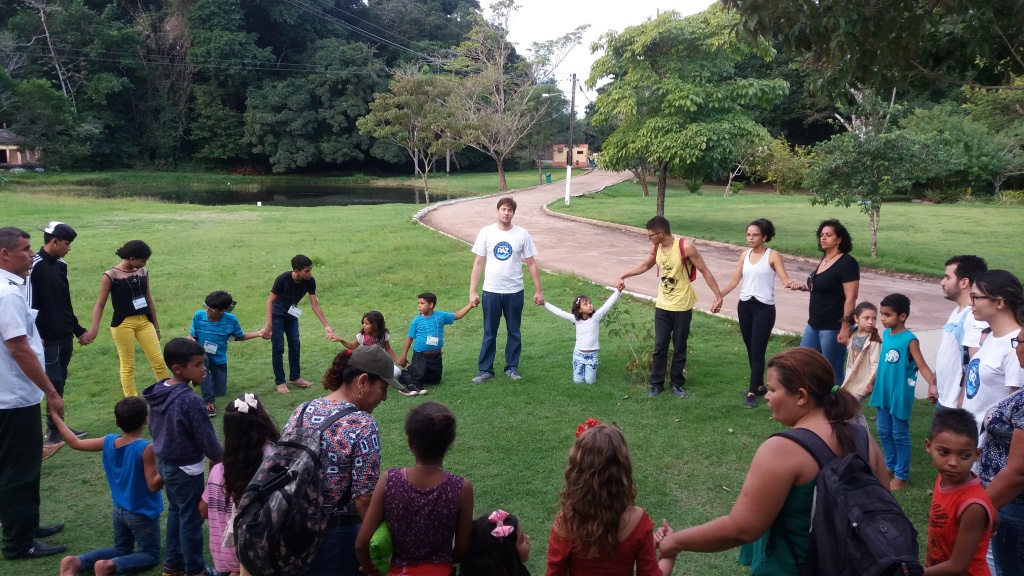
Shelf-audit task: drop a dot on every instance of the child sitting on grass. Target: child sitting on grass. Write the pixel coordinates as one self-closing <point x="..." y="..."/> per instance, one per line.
<point x="895" y="380"/>
<point x="130" y="466"/>
<point x="961" y="516"/>
<point x="426" y="338"/>
<point x="374" y="332"/>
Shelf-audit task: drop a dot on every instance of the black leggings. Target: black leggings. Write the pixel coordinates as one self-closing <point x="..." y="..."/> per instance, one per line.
<point x="756" y="322"/>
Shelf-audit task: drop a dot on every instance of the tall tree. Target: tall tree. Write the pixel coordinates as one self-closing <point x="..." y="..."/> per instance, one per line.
<point x="675" y="97"/>
<point x="499" y="88"/>
<point x="413" y="115"/>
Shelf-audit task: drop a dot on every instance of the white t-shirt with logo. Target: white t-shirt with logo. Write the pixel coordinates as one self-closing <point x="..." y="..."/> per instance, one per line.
<point x="991" y="376"/>
<point x="949" y="368"/>
<point x="505" y="251"/>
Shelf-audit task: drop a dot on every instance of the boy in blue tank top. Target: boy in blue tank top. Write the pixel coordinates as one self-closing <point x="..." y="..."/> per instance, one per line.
<point x="899" y="361"/>
<point x="130" y="465"/>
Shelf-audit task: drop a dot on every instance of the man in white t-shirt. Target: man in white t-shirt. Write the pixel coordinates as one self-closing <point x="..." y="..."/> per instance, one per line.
<point x="501" y="249"/>
<point x="961" y="336"/>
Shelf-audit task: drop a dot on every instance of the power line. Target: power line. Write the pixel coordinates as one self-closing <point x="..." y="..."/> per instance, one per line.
<point x="317" y="12"/>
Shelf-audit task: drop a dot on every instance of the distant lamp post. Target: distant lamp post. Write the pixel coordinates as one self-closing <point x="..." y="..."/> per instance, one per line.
<point x="572" y="117"/>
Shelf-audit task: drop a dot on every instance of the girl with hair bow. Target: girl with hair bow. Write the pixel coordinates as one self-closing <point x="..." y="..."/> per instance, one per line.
<point x="499" y="547"/>
<point x="249" y="434"/>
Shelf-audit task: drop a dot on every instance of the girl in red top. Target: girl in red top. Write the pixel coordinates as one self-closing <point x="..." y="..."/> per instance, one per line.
<point x="598" y="530"/>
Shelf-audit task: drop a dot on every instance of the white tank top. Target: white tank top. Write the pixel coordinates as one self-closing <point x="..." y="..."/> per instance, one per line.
<point x="758" y="279"/>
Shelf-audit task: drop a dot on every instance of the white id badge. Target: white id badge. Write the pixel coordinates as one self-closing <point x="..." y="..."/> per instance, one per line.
<point x="432" y="340"/>
<point x="140" y="303"/>
<point x="210" y="347"/>
<point x="295" y="310"/>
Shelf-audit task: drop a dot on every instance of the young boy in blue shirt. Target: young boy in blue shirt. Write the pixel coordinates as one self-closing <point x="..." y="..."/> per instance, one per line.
<point x="426" y="336"/>
<point x="130" y="466"/>
<point x="183" y="438"/>
<point x="213" y="327"/>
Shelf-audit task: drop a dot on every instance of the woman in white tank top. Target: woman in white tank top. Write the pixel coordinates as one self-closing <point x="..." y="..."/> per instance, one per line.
<point x="755" y="275"/>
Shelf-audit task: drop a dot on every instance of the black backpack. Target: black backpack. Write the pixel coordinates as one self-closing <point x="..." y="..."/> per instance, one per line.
<point x="280" y="519"/>
<point x="857" y="527"/>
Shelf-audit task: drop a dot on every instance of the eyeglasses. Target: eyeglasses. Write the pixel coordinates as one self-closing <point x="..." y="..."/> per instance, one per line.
<point x="976" y="297"/>
<point x="652" y="234"/>
<point x="228" y="309"/>
<point x="1014" y="342"/>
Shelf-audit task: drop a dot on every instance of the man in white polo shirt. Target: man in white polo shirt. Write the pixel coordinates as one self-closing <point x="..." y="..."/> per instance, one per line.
<point x="23" y="384"/>
<point x="961" y="336"/>
<point x="501" y="249"/>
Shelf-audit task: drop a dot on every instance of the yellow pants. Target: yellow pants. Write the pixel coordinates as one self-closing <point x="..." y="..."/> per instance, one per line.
<point x="137" y="328"/>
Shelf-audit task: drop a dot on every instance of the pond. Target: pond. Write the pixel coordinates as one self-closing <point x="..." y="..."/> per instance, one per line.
<point x="300" y="195"/>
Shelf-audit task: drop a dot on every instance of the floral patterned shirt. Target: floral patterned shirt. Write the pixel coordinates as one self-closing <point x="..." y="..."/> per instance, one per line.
<point x="350" y="450"/>
<point x="999" y="425"/>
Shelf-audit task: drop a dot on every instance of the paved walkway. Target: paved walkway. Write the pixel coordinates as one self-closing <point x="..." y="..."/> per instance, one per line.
<point x="601" y="252"/>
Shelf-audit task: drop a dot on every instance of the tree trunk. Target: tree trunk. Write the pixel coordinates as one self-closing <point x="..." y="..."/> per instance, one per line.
<point x="540" y="174"/>
<point x="426" y="191"/>
<point x="662" y="183"/>
<point x="875" y="215"/>
<point x="502" y="183"/>
<point x="641" y="177"/>
<point x="732" y="174"/>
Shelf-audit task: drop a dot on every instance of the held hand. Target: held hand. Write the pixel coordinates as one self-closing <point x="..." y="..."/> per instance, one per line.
<point x="538" y="298"/>
<point x="662" y="531"/>
<point x="402" y="362"/>
<point x="869" y="389"/>
<point x="474" y="299"/>
<point x="620" y="285"/>
<point x="933" y="393"/>
<point x="716" y="305"/>
<point x="85" y="339"/>
<point x="473" y="304"/>
<point x="844" y="336"/>
<point x="55" y="405"/>
<point x="266" y="332"/>
<point x="329" y="332"/>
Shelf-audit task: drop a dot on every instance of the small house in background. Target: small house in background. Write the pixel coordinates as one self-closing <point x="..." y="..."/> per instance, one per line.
<point x="13" y="153"/>
<point x="580" y="155"/>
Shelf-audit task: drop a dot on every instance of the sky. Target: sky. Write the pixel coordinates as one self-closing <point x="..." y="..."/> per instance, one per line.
<point x="540" y="20"/>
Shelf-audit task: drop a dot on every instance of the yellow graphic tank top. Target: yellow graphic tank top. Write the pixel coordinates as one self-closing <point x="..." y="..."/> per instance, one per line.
<point x="675" y="293"/>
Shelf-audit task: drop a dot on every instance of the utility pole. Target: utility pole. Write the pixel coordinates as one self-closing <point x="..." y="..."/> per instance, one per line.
<point x="569" y="154"/>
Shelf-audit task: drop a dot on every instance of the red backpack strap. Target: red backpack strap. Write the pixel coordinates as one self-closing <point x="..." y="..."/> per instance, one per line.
<point x="691" y="270"/>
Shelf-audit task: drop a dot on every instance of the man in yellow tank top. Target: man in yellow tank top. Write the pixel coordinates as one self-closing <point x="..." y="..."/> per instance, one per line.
<point x="673" y="310"/>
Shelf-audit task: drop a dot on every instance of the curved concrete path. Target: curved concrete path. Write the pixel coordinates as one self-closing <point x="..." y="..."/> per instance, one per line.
<point x="600" y="252"/>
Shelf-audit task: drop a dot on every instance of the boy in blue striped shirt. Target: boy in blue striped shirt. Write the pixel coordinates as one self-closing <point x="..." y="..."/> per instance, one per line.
<point x="213" y="327"/>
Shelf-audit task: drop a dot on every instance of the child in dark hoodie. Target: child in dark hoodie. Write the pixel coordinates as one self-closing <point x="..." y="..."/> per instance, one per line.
<point x="182" y="436"/>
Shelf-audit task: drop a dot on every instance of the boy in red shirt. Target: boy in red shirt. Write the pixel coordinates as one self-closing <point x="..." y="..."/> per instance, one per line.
<point x="960" y="519"/>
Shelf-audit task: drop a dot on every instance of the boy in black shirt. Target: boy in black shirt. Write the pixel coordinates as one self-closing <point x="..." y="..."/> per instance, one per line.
<point x="283" y="320"/>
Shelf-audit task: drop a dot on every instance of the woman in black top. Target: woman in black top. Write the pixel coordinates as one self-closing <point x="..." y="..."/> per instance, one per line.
<point x="127" y="285"/>
<point x="833" y="285"/>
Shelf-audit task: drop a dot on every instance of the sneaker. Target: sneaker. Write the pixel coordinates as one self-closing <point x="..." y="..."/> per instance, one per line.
<point x="482" y="377"/>
<point x="512" y="373"/>
<point x="404" y="378"/>
<point x="679" y="392"/>
<point x="79" y="433"/>
<point x="211" y="409"/>
<point x="52" y="437"/>
<point x="751" y="400"/>
<point x="422" y="391"/>
<point x="207" y="572"/>
<point x="171" y="572"/>
<point x="655" y="391"/>
<point x="408" y="391"/>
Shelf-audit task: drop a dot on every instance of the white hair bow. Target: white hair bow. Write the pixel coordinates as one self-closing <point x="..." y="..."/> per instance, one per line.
<point x="243" y="405"/>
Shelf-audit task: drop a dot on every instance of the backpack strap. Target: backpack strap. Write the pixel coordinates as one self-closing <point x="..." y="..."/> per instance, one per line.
<point x="337" y="416"/>
<point x="811" y="442"/>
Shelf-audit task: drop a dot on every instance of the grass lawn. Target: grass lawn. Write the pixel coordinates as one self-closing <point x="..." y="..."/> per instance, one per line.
<point x="914" y="238"/>
<point x="690" y="457"/>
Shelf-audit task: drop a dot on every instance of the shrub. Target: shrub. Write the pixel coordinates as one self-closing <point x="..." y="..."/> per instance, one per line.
<point x="694" y="186"/>
<point x="946" y="195"/>
<point x="1010" y="198"/>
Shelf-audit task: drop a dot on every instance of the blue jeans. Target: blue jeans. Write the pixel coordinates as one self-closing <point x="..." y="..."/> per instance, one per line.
<point x="129" y="529"/>
<point x="1008" y="540"/>
<point x="495" y="306"/>
<point x="674" y="326"/>
<point x="894" y="435"/>
<point x="284" y="325"/>
<point x="216" y="381"/>
<point x="336" y="555"/>
<point x="184" y="524"/>
<point x="824" y="341"/>
<point x="584" y="367"/>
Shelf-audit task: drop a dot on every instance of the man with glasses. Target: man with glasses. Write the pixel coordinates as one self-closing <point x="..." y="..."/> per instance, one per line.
<point x="673" y="310"/>
<point x="213" y="327"/>
<point x="49" y="293"/>
<point x="961" y="336"/>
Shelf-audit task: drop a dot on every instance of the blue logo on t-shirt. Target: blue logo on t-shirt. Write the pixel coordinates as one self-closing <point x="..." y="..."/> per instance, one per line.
<point x="973" y="378"/>
<point x="502" y="251"/>
<point x="892" y="356"/>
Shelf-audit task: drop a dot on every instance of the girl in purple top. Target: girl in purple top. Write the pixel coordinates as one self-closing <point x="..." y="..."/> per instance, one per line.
<point x="424" y="506"/>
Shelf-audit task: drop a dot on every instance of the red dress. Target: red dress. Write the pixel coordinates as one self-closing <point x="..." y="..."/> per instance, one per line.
<point x="637" y="550"/>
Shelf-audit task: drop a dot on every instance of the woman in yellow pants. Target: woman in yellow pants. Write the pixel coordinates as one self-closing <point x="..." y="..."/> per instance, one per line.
<point x="134" y="319"/>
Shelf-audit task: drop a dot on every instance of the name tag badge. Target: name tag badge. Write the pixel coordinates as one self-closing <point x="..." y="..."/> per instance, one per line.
<point x="140" y="303"/>
<point x="432" y="340"/>
<point x="295" y="310"/>
<point x="210" y="347"/>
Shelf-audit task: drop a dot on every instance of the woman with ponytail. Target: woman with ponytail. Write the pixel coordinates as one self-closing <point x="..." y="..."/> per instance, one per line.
<point x="780" y="483"/>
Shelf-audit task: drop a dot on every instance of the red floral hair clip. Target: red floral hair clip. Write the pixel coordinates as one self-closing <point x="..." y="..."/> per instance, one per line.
<point x="590" y="423"/>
